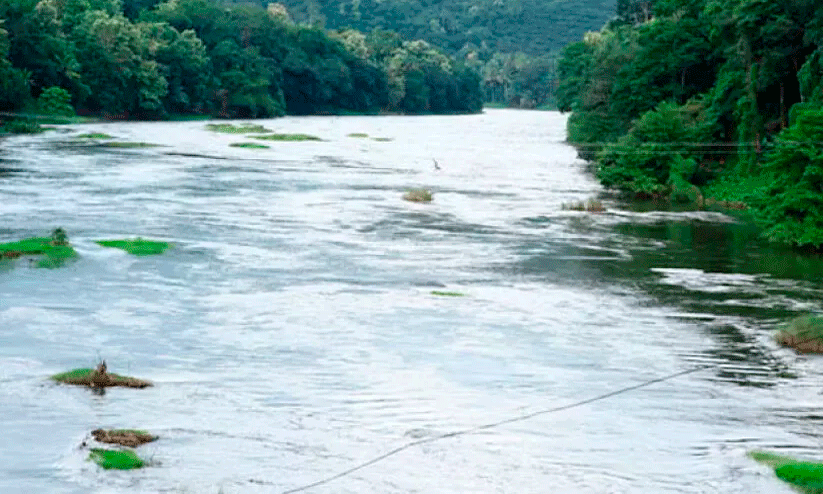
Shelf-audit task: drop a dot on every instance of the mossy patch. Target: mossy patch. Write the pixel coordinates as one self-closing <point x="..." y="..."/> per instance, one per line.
<point x="98" y="378"/>
<point x="248" y="145"/>
<point x="358" y="135"/>
<point x="227" y="128"/>
<point x="136" y="246"/>
<point x="94" y="135"/>
<point x="806" y="476"/>
<point x="128" y="145"/>
<point x="115" y="459"/>
<point x="804" y="334"/>
<point x="440" y="293"/>
<point x="55" y="250"/>
<point x="124" y="437"/>
<point x="418" y="195"/>
<point x="288" y="137"/>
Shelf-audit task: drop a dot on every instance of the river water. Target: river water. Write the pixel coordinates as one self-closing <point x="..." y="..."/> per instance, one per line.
<point x="292" y="332"/>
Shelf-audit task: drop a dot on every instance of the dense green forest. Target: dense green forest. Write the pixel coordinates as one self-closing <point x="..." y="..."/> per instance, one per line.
<point x="146" y="59"/>
<point x="513" y="44"/>
<point x="703" y="100"/>
<point x="534" y="27"/>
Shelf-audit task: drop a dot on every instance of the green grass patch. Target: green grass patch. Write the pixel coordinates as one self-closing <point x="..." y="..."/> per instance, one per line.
<point x="227" y="128"/>
<point x="447" y="294"/>
<point x="358" y="135"/>
<point x="382" y="139"/>
<point x="115" y="459"/>
<point x="806" y="476"/>
<point x="248" y="145"/>
<point x="128" y="145"/>
<point x="55" y="249"/>
<point x="288" y="137"/>
<point x="98" y="378"/>
<point x="32" y="246"/>
<point x="94" y="135"/>
<point x="136" y="246"/>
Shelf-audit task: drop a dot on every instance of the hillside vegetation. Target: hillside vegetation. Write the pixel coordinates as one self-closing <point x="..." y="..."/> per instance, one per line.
<point x="695" y="100"/>
<point x="145" y="59"/>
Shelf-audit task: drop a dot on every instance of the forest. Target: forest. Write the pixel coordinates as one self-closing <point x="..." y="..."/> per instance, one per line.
<point x="706" y="102"/>
<point x="146" y="59"/>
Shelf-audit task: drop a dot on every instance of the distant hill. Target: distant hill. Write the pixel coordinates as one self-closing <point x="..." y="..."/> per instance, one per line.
<point x="535" y="27"/>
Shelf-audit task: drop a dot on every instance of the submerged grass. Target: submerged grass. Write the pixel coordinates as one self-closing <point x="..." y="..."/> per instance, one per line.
<point x="288" y="137"/>
<point x="55" y="249"/>
<point x="591" y="206"/>
<point x="124" y="437"/>
<point x="382" y="139"/>
<point x="248" y="145"/>
<point x="228" y="128"/>
<point x="804" y="334"/>
<point x="358" y="135"/>
<point x="111" y="459"/>
<point x="136" y="246"/>
<point x="447" y="294"/>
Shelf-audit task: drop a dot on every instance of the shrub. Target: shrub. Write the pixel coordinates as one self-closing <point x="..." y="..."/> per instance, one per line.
<point x="55" y="101"/>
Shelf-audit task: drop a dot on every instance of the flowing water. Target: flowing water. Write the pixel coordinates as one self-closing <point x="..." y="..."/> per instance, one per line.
<point x="292" y="332"/>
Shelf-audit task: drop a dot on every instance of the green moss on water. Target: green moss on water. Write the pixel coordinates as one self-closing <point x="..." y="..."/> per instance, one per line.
<point x="116" y="459"/>
<point x="804" y="334"/>
<point x="288" y="137"/>
<point x="227" y="128"/>
<point x="55" y="250"/>
<point x="34" y="245"/>
<point x="72" y="375"/>
<point x="94" y="135"/>
<point x="382" y="139"/>
<point x="359" y="135"/>
<point x="136" y="246"/>
<point x="805" y="476"/>
<point x="248" y="145"/>
<point x="447" y="294"/>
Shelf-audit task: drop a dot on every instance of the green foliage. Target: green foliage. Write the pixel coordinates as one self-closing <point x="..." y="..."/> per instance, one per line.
<point x="21" y="126"/>
<point x="55" y="101"/>
<point x="440" y="293"/>
<point x="806" y="476"/>
<point x="115" y="459"/>
<point x="94" y="135"/>
<point x="658" y="154"/>
<point x="792" y="205"/>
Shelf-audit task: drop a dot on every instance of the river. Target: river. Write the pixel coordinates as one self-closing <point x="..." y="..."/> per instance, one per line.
<point x="292" y="332"/>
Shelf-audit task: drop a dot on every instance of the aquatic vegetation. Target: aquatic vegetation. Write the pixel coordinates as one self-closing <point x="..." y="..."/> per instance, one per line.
<point x="358" y="135"/>
<point x="447" y="294"/>
<point x="136" y="246"/>
<point x="804" y="334"/>
<point x="418" y="195"/>
<point x="55" y="249"/>
<point x="127" y="145"/>
<point x="382" y="139"/>
<point x="228" y="128"/>
<point x="591" y="206"/>
<point x="805" y="476"/>
<point x="248" y="145"/>
<point x="98" y="378"/>
<point x="288" y="137"/>
<point x="116" y="459"/>
<point x="124" y="437"/>
<point x="94" y="135"/>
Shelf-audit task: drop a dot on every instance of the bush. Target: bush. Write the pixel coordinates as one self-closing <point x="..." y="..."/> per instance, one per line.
<point x="791" y="207"/>
<point x="55" y="101"/>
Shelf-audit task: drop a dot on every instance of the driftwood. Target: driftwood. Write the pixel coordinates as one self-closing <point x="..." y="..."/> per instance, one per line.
<point x="129" y="438"/>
